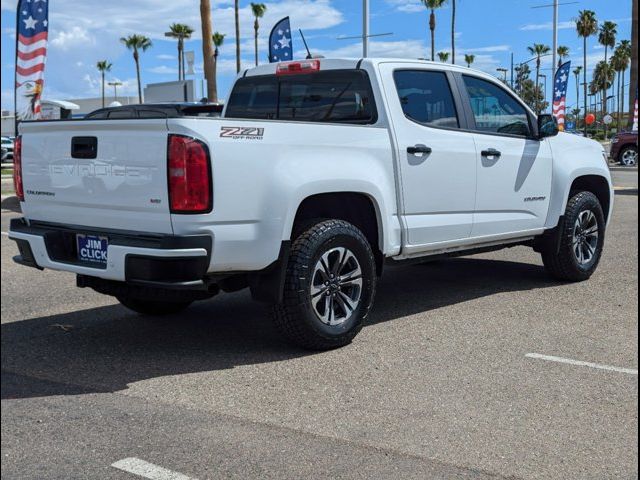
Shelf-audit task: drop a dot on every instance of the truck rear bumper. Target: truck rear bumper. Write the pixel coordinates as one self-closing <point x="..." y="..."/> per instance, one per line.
<point x="168" y="261"/>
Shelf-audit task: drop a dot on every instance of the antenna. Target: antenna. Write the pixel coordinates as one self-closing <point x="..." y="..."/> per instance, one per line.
<point x="305" y="44"/>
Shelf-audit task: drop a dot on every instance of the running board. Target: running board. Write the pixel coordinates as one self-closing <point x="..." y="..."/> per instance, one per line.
<point x="466" y="249"/>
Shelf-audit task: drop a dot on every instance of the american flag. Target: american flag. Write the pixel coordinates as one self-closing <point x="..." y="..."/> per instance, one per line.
<point x="31" y="54"/>
<point x="560" y="84"/>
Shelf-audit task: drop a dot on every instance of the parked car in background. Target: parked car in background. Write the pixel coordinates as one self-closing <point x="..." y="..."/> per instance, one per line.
<point x="7" y="150"/>
<point x="158" y="110"/>
<point x="624" y="148"/>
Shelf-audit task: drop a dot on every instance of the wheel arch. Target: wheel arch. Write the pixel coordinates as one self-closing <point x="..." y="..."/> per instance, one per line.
<point x="599" y="186"/>
<point x="356" y="207"/>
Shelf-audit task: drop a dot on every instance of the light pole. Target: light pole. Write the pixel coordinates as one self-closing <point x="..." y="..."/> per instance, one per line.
<point x="542" y="75"/>
<point x="504" y="73"/>
<point x="115" y="84"/>
<point x="365" y="28"/>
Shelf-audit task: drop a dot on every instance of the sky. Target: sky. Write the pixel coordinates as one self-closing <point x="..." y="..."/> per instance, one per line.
<point x="82" y="32"/>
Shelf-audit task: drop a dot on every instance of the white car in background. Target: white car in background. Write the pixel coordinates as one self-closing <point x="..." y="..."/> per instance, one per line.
<point x="7" y="149"/>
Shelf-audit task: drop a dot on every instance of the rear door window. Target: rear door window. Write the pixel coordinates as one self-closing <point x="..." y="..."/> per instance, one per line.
<point x="426" y="98"/>
<point x="336" y="96"/>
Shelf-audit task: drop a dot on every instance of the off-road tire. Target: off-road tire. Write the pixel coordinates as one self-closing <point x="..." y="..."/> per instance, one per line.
<point x="561" y="263"/>
<point x="295" y="317"/>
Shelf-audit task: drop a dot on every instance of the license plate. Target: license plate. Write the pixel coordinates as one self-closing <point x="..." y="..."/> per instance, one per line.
<point x="92" y="249"/>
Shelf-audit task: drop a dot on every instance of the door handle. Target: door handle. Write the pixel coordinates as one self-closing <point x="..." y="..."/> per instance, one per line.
<point x="419" y="149"/>
<point x="492" y="152"/>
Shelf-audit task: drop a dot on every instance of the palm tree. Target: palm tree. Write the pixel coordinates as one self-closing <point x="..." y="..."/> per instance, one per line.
<point x="623" y="54"/>
<point x="563" y="52"/>
<point x="237" y="20"/>
<point x="218" y="40"/>
<point x="586" y="26"/>
<point x="603" y="80"/>
<point x="618" y="64"/>
<point x="135" y="43"/>
<point x="207" y="50"/>
<point x="443" y="56"/>
<point x="103" y="66"/>
<point x="433" y="5"/>
<point x="538" y="49"/>
<point x="181" y="32"/>
<point x="453" y="31"/>
<point x="607" y="37"/>
<point x="469" y="59"/>
<point x="576" y="72"/>
<point x="258" y="10"/>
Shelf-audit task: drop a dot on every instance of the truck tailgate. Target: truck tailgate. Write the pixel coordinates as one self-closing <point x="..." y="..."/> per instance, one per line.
<point x="108" y="174"/>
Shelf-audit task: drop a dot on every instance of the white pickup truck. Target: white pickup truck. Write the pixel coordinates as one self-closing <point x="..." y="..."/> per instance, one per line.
<point x="318" y="174"/>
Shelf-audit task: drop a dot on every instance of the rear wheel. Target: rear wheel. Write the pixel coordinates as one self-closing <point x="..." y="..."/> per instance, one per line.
<point x="152" y="307"/>
<point x="581" y="240"/>
<point x="329" y="286"/>
<point x="628" y="156"/>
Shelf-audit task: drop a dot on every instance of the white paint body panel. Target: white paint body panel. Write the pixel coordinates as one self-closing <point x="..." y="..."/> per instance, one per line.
<point x="450" y="201"/>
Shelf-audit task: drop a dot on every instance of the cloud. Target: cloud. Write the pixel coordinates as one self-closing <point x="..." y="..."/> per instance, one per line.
<point x="489" y="49"/>
<point x="163" y="69"/>
<point x="76" y="37"/>
<point x="164" y="56"/>
<point x="548" y="26"/>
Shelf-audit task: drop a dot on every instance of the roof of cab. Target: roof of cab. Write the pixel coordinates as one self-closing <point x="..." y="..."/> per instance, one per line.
<point x="349" y="63"/>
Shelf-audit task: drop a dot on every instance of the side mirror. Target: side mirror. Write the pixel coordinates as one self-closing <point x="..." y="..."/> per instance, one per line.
<point x="547" y="126"/>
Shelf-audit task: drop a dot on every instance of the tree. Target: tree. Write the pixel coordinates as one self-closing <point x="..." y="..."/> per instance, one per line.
<point x="237" y="21"/>
<point x="586" y="26"/>
<point x="576" y="72"/>
<point x="633" y="83"/>
<point x="181" y="32"/>
<point x="443" y="56"/>
<point x="538" y="49"/>
<point x="469" y="59"/>
<point x="207" y="50"/>
<point x="607" y="37"/>
<point x="433" y="5"/>
<point x="218" y="40"/>
<point x="136" y="43"/>
<point x="603" y="79"/>
<point x="453" y="31"/>
<point x="103" y="66"/>
<point x="620" y="62"/>
<point x="258" y="10"/>
<point x="563" y="52"/>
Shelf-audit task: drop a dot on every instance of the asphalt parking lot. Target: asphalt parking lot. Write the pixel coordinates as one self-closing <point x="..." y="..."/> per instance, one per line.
<point x="454" y="377"/>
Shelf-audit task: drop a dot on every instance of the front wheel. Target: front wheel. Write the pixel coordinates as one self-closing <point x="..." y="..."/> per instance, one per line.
<point x="329" y="286"/>
<point x="581" y="240"/>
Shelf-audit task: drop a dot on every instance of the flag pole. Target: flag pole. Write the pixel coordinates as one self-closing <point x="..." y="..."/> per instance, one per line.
<point x="15" y="75"/>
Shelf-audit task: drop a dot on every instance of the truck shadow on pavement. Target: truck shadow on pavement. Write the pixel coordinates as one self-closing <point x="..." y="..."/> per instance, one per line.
<point x="106" y="348"/>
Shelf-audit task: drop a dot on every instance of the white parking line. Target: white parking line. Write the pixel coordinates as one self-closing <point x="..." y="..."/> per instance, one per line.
<point x="580" y="363"/>
<point x="148" y="470"/>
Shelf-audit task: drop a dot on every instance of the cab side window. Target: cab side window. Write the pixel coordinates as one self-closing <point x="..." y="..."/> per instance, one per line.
<point x="495" y="110"/>
<point x="426" y="98"/>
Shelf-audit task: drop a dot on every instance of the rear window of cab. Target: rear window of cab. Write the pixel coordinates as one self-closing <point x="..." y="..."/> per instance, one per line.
<point x="331" y="96"/>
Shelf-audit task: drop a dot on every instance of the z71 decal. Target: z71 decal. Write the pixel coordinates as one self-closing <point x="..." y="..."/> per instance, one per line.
<point x="242" y="133"/>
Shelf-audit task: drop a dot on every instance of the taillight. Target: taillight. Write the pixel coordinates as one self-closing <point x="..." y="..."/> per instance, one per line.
<point x="296" y="68"/>
<point x="17" y="168"/>
<point x="190" y="188"/>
